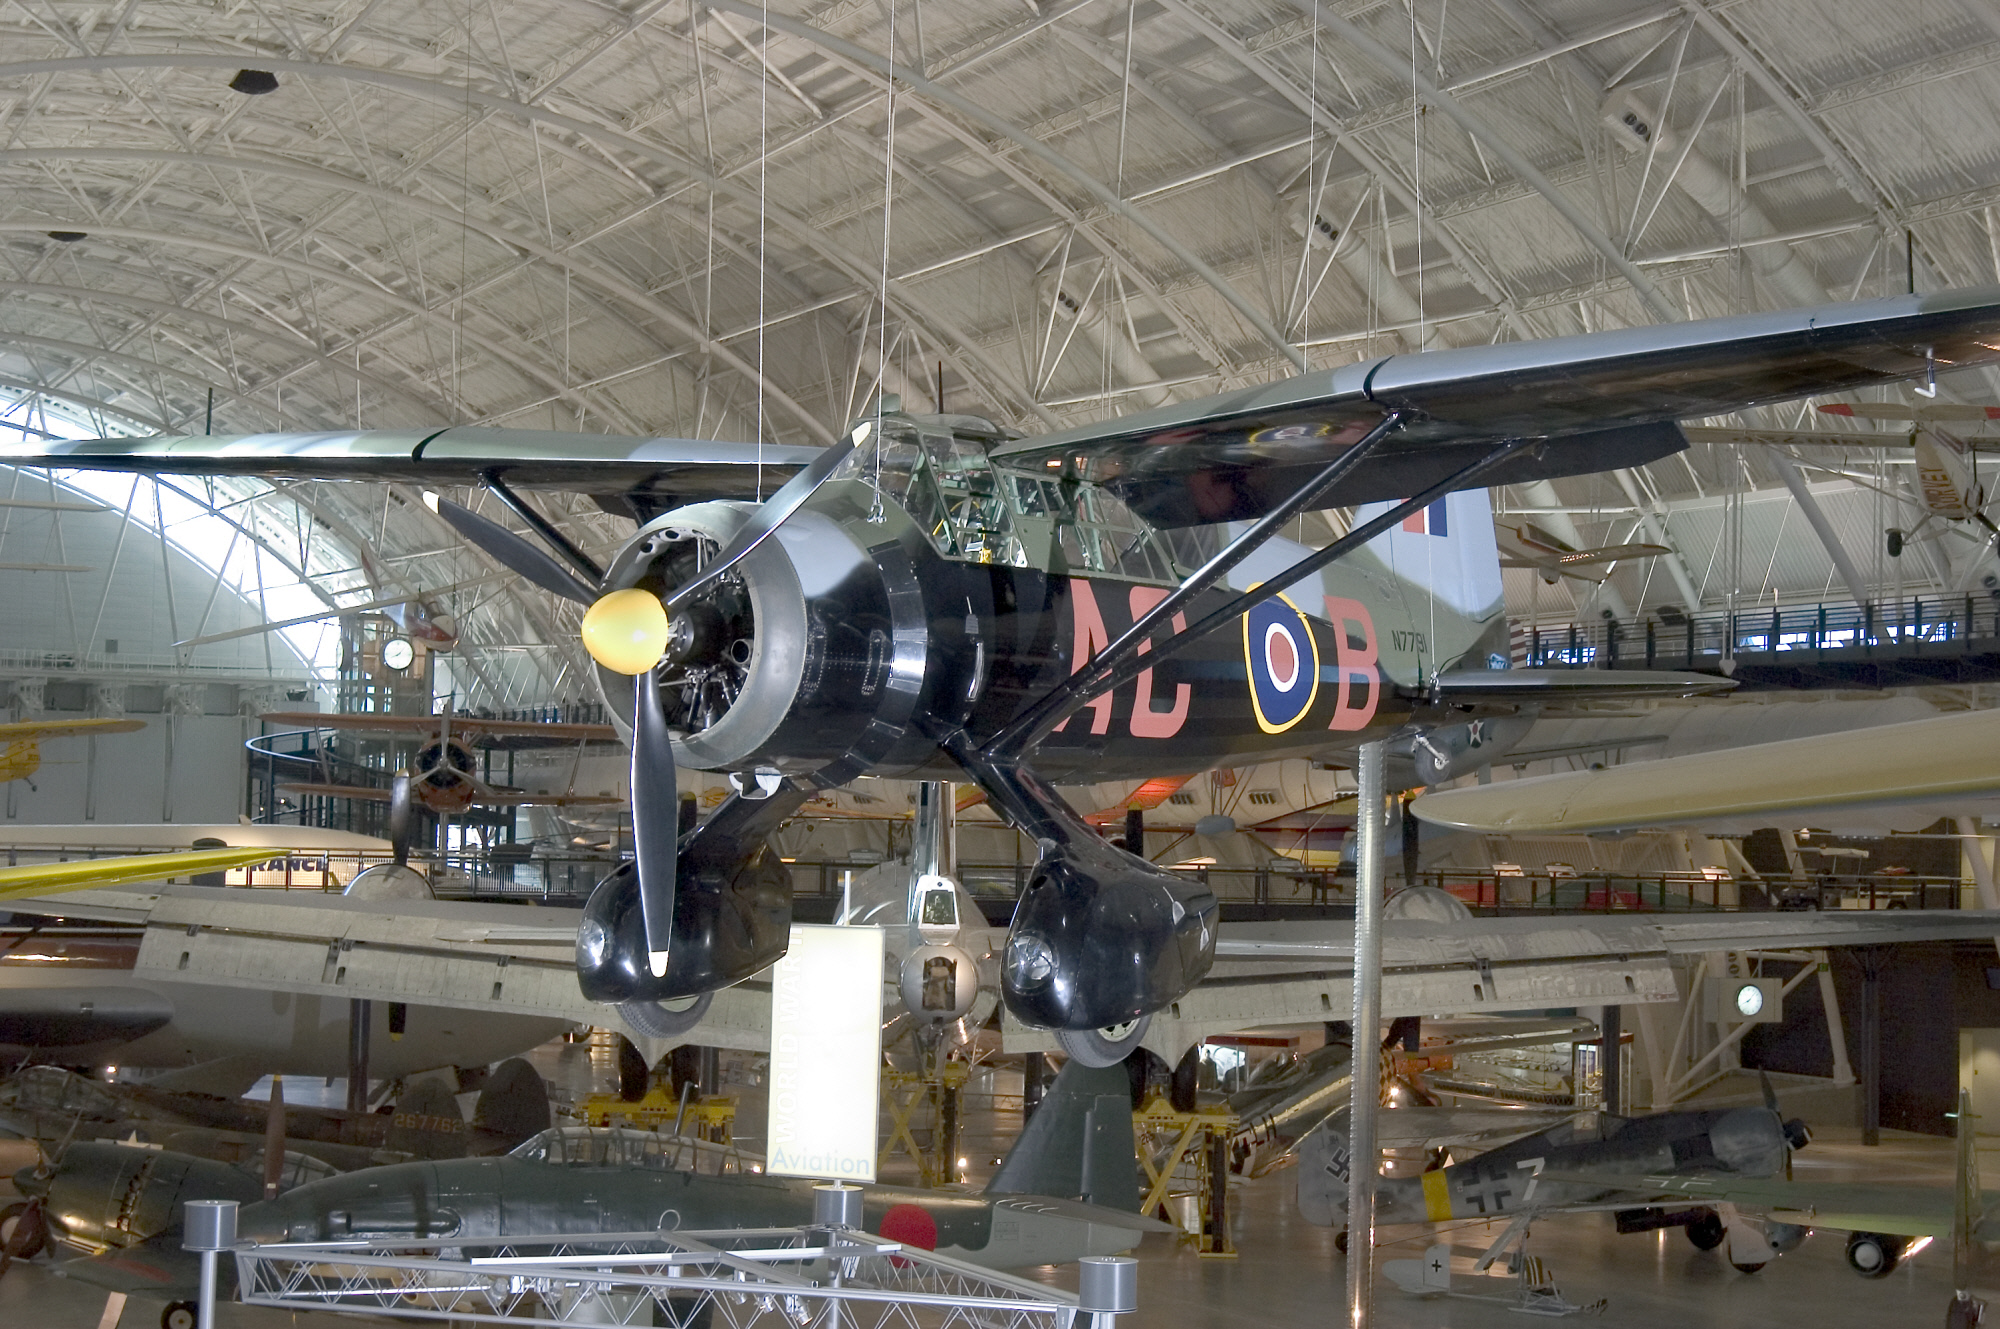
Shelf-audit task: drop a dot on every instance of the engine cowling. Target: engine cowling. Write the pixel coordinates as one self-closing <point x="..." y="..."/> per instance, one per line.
<point x="807" y="658"/>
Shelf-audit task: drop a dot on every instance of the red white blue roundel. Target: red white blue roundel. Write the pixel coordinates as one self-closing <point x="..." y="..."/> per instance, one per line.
<point x="1283" y="662"/>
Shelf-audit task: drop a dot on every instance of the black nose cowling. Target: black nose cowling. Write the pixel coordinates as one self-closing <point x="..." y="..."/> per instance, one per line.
<point x="727" y="926"/>
<point x="1101" y="938"/>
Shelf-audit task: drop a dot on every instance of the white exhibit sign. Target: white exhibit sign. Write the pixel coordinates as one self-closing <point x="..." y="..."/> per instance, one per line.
<point x="826" y="1054"/>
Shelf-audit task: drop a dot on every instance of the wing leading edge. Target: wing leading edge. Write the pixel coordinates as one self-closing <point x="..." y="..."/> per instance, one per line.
<point x="1603" y="400"/>
<point x="673" y="470"/>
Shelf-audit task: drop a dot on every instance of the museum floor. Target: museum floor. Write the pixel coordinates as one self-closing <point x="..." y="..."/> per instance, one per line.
<point x="1287" y="1272"/>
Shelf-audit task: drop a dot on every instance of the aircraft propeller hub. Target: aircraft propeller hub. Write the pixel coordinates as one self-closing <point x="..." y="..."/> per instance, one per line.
<point x="627" y="631"/>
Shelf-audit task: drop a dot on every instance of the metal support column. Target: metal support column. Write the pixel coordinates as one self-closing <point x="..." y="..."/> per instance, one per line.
<point x="360" y="1015"/>
<point x="1363" y="1165"/>
<point x="1610" y="1061"/>
<point x="1872" y="960"/>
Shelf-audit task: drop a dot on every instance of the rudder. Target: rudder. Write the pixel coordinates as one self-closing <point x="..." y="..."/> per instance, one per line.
<point x="1323" y="1174"/>
<point x="1079" y="1144"/>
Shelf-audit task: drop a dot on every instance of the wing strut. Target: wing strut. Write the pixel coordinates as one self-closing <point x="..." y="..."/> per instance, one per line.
<point x="580" y="562"/>
<point x="1122" y="661"/>
<point x="1059" y="704"/>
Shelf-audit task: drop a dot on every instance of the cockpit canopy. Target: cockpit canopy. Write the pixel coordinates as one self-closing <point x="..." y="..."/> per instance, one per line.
<point x="598" y="1146"/>
<point x="936" y="467"/>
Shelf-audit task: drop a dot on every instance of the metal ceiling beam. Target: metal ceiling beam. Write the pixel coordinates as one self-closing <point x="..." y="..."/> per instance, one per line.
<point x="86" y="294"/>
<point x="1033" y="147"/>
<point x="1398" y="67"/>
<point x="522" y="365"/>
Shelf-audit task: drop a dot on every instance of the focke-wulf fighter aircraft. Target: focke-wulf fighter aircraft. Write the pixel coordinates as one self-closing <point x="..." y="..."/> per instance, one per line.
<point x="933" y="598"/>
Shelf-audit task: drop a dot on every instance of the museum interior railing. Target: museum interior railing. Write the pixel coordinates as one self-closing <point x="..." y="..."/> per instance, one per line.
<point x="525" y="872"/>
<point x="1944" y="629"/>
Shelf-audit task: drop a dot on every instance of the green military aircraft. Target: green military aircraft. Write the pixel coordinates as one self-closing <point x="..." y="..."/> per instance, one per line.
<point x="1068" y="1189"/>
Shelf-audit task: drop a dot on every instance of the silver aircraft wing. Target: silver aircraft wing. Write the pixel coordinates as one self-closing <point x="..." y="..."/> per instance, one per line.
<point x="501" y="959"/>
<point x="1602" y="400"/>
<point x="674" y="470"/>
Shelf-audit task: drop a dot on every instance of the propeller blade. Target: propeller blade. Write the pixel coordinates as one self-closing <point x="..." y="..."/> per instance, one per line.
<point x="515" y="554"/>
<point x="402" y="815"/>
<point x="656" y="813"/>
<point x="1770" y="1094"/>
<point x="769" y="517"/>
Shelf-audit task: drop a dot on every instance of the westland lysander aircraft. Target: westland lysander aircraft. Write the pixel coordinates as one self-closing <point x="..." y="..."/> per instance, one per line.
<point x="931" y="597"/>
<point x="22" y="756"/>
<point x="444" y="775"/>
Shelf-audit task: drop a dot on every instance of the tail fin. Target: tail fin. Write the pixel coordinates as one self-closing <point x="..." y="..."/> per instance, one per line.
<point x="1969" y="1208"/>
<point x="426" y="1123"/>
<point x="514" y="1104"/>
<point x="1323" y="1173"/>
<point x="1079" y="1144"/>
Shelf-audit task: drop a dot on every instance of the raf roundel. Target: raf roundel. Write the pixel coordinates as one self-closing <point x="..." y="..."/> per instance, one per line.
<point x="1283" y="663"/>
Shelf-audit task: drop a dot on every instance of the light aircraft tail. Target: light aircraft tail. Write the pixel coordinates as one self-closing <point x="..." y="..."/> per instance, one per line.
<point x="1968" y="1209"/>
<point x="1323" y="1172"/>
<point x="1079" y="1144"/>
<point x="1448" y="549"/>
<point x="514" y="1105"/>
<point x="427" y="1123"/>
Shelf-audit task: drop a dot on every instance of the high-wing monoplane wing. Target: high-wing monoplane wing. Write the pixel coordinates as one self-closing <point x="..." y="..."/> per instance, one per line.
<point x="462" y="726"/>
<point x="35" y="731"/>
<point x="670" y="470"/>
<point x="487" y="796"/>
<point x="1604" y="400"/>
<point x="83" y="874"/>
<point x="1891" y="777"/>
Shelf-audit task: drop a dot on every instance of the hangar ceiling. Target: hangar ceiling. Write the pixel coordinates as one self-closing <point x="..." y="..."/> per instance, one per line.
<point x="721" y="219"/>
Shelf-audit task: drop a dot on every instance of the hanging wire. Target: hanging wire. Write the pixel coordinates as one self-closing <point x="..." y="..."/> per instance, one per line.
<point x="875" y="512"/>
<point x="763" y="211"/>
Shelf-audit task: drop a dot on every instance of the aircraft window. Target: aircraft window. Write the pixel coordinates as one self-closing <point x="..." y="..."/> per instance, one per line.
<point x="587" y="1146"/>
<point x="940" y="909"/>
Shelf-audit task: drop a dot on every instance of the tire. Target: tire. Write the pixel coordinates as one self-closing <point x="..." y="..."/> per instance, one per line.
<point x="656" y="1019"/>
<point x="22" y="1233"/>
<point x="1707" y="1232"/>
<point x="1749" y="1268"/>
<point x="1873" y="1255"/>
<point x="1099" y="1048"/>
<point x="1965" y="1313"/>
<point x="179" y="1315"/>
<point x="1186" y="1085"/>
<point x="1340" y="1241"/>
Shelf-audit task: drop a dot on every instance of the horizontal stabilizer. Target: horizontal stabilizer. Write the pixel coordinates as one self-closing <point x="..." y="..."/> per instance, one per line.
<point x="1525" y="685"/>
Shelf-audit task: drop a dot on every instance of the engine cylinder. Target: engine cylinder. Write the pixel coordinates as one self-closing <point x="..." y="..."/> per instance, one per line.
<point x="808" y="657"/>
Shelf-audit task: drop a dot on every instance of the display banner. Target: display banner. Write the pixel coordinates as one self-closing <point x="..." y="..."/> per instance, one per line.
<point x="826" y="1054"/>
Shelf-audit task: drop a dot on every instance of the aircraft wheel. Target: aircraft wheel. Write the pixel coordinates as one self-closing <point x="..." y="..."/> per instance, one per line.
<point x="1707" y="1232"/>
<point x="179" y="1315"/>
<point x="1873" y="1255"/>
<point x="1742" y="1268"/>
<point x="1965" y="1313"/>
<point x="1340" y="1241"/>
<point x="665" y="1019"/>
<point x="1098" y="1048"/>
<point x="21" y="1232"/>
